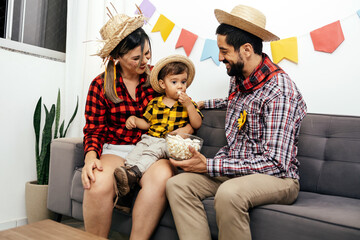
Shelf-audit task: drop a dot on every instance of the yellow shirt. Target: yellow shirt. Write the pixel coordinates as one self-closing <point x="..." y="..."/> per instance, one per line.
<point x="163" y="119"/>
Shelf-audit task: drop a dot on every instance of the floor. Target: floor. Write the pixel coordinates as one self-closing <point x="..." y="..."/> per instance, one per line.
<point x="80" y="225"/>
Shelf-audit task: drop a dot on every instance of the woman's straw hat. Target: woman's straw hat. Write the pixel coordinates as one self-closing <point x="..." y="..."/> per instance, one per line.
<point x="154" y="81"/>
<point x="248" y="19"/>
<point x="116" y="29"/>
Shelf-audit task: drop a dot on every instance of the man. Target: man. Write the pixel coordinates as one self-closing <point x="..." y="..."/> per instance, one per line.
<point x="258" y="165"/>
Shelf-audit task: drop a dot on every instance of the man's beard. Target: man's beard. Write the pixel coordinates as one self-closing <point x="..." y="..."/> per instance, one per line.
<point x="235" y="69"/>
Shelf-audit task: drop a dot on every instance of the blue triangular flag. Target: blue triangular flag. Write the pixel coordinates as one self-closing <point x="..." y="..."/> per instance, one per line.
<point x="358" y="12"/>
<point x="210" y="50"/>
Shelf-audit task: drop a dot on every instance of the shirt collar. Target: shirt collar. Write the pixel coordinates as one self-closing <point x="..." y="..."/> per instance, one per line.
<point x="161" y="104"/>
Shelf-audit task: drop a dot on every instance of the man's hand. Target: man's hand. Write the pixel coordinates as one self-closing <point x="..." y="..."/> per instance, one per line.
<point x="196" y="164"/>
<point x="201" y="104"/>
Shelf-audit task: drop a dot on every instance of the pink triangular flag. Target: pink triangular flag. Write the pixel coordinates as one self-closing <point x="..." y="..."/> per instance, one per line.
<point x="186" y="40"/>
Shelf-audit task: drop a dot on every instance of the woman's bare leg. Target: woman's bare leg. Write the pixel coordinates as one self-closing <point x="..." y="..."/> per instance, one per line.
<point x="98" y="200"/>
<point x="151" y="200"/>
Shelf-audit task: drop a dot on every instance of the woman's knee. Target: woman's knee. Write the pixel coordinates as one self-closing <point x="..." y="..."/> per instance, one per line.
<point x="103" y="185"/>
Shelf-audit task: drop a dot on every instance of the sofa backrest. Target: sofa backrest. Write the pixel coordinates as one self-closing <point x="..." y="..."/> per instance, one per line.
<point x="329" y="155"/>
<point x="212" y="131"/>
<point x="328" y="151"/>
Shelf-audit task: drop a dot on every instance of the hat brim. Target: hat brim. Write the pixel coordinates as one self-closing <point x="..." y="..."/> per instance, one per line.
<point x="154" y="81"/>
<point x="109" y="45"/>
<point x="235" y="21"/>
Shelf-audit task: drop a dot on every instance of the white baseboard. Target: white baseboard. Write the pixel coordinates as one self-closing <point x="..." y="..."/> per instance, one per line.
<point x="13" y="223"/>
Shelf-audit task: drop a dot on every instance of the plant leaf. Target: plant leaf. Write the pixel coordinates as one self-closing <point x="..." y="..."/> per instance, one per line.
<point x="73" y="116"/>
<point x="36" y="123"/>
<point x="42" y="167"/>
<point x="62" y="129"/>
<point x="57" y="115"/>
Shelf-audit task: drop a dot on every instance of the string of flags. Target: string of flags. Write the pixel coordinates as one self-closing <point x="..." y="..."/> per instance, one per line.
<point x="325" y="39"/>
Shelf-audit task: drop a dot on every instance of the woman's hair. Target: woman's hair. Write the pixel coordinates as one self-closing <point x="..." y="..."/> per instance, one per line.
<point x="173" y="68"/>
<point x="236" y="37"/>
<point x="133" y="40"/>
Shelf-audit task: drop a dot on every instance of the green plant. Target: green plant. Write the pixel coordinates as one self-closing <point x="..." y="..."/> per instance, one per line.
<point x="42" y="152"/>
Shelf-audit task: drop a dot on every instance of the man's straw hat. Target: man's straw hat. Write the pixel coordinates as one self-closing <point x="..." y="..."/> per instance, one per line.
<point x="248" y="19"/>
<point x="116" y="29"/>
<point x="154" y="76"/>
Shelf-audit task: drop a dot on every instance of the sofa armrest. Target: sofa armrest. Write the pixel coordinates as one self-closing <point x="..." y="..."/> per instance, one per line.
<point x="66" y="155"/>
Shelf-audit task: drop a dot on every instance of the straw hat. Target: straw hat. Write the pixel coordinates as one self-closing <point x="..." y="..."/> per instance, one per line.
<point x="154" y="81"/>
<point x="116" y="29"/>
<point x="248" y="19"/>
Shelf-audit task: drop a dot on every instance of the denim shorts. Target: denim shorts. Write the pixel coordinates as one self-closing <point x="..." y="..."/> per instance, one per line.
<point x="118" y="150"/>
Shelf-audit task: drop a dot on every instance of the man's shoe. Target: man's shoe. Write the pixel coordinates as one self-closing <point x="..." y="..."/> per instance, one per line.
<point x="126" y="178"/>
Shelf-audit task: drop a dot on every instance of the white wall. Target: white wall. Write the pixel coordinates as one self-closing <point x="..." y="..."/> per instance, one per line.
<point x="329" y="82"/>
<point x="23" y="80"/>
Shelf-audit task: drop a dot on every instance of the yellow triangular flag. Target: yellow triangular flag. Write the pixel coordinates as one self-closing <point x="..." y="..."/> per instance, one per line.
<point x="165" y="26"/>
<point x="285" y="48"/>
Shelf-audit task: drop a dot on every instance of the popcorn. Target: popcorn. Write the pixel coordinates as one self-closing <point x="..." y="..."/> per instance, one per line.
<point x="178" y="147"/>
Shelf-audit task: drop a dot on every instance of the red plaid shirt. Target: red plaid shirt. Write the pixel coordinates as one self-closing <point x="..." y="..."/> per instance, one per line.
<point x="105" y="120"/>
<point x="267" y="142"/>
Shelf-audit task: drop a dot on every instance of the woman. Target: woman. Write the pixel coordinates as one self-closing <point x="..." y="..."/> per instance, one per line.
<point x="123" y="90"/>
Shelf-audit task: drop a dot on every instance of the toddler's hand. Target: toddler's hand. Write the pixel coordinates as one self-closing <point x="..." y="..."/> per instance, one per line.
<point x="184" y="99"/>
<point x="130" y="122"/>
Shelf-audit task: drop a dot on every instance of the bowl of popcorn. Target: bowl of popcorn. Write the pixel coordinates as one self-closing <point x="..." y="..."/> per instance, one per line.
<point x="178" y="145"/>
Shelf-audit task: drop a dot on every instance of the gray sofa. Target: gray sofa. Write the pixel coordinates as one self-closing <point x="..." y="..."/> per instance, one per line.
<point x="328" y="206"/>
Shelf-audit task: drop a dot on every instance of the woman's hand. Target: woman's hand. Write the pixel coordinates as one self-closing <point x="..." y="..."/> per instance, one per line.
<point x="87" y="174"/>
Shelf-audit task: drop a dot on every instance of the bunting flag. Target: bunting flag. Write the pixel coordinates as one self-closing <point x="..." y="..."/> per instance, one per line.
<point x="327" y="38"/>
<point x="164" y="26"/>
<point x="210" y="50"/>
<point x="186" y="40"/>
<point x="147" y="8"/>
<point x="285" y="48"/>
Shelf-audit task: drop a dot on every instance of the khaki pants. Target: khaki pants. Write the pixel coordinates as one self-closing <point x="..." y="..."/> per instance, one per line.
<point x="146" y="152"/>
<point x="233" y="198"/>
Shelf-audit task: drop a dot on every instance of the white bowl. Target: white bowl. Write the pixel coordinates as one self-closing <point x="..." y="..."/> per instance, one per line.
<point x="178" y="145"/>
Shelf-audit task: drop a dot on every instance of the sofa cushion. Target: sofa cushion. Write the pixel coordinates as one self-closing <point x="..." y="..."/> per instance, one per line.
<point x="328" y="151"/>
<point x="328" y="209"/>
<point x="77" y="190"/>
<point x="312" y="216"/>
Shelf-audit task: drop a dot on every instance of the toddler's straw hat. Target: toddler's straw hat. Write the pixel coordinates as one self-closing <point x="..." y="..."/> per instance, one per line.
<point x="248" y="19"/>
<point x="154" y="76"/>
<point x="116" y="29"/>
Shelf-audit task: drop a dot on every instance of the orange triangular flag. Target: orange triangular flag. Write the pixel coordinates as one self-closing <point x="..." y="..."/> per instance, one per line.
<point x="186" y="40"/>
<point x="327" y="38"/>
<point x="165" y="26"/>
